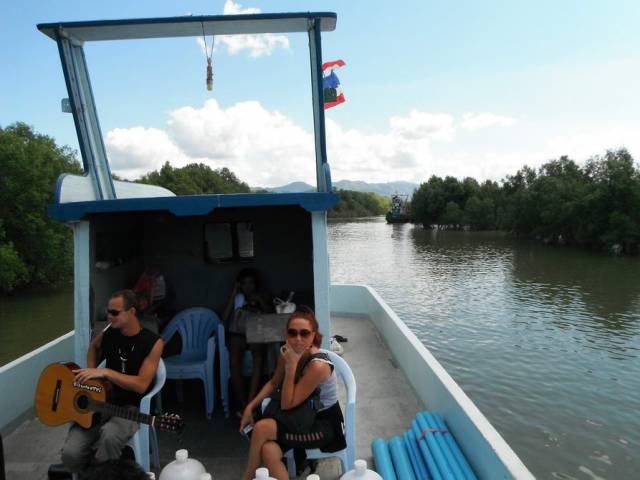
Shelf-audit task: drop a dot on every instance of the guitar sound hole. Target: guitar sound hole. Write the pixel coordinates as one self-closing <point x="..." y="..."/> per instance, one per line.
<point x="82" y="402"/>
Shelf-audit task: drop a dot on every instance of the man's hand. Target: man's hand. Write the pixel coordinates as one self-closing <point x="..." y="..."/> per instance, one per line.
<point x="84" y="374"/>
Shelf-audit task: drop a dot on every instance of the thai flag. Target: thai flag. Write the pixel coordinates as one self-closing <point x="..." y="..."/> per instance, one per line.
<point x="331" y="85"/>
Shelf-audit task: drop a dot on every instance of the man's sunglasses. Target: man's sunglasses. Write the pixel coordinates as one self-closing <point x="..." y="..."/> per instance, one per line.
<point x="303" y="332"/>
<point x="114" y="313"/>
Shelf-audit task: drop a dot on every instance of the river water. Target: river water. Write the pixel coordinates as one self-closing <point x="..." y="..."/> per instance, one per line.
<point x="545" y="340"/>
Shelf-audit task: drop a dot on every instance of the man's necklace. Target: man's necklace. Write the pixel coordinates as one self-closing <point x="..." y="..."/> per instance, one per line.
<point x="123" y="359"/>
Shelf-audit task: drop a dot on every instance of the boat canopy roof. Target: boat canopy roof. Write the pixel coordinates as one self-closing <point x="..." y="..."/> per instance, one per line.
<point x="191" y="205"/>
<point x="189" y="26"/>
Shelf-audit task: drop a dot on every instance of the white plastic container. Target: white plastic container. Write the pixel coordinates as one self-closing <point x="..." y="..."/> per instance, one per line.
<point x="263" y="474"/>
<point x="182" y="468"/>
<point x="313" y="476"/>
<point x="361" y="472"/>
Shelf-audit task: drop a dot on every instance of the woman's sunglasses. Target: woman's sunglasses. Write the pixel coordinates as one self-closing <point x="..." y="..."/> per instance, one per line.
<point x="293" y="333"/>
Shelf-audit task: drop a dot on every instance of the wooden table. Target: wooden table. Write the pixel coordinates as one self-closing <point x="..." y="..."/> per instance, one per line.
<point x="266" y="328"/>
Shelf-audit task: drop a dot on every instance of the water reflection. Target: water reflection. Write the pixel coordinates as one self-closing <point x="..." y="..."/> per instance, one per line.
<point x="607" y="287"/>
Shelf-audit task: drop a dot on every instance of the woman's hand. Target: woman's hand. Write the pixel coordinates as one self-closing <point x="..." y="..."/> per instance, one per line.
<point x="291" y="357"/>
<point x="247" y="418"/>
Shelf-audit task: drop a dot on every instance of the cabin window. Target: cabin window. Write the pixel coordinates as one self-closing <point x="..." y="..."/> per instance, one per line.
<point x="113" y="248"/>
<point x="245" y="239"/>
<point x="228" y="241"/>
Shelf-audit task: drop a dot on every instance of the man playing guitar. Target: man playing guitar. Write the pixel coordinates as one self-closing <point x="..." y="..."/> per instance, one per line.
<point x="132" y="354"/>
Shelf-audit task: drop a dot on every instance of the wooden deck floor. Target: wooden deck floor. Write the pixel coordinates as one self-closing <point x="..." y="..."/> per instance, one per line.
<point x="385" y="406"/>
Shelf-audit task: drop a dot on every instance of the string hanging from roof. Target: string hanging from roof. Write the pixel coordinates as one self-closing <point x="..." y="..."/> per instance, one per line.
<point x="209" y="57"/>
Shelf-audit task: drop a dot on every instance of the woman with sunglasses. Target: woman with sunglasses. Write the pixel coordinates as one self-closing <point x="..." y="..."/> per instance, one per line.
<point x="302" y="371"/>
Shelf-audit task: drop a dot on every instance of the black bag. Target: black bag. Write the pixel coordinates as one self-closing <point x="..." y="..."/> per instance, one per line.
<point x="299" y="419"/>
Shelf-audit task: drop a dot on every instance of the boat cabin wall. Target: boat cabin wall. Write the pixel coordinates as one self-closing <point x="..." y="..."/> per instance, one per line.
<point x="201" y="256"/>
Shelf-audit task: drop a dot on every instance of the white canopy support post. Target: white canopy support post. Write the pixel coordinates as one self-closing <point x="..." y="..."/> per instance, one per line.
<point x="85" y="116"/>
<point x="321" y="276"/>
<point x="81" y="304"/>
<point x="317" y="96"/>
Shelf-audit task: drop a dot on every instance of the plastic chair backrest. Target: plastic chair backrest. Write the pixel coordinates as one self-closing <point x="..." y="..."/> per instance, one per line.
<point x="343" y="370"/>
<point x="158" y="383"/>
<point x="195" y="326"/>
<point x="161" y="378"/>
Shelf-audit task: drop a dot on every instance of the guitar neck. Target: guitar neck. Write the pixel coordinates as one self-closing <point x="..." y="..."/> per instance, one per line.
<point x="122" y="412"/>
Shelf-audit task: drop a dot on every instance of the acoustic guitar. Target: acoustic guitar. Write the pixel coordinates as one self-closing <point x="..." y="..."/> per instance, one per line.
<point x="61" y="399"/>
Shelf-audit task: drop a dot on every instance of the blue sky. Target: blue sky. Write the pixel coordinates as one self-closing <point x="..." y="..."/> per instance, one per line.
<point x="471" y="88"/>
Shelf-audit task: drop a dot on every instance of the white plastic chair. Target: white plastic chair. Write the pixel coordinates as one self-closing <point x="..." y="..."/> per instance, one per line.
<point x="347" y="456"/>
<point x="196" y="360"/>
<point x="139" y="442"/>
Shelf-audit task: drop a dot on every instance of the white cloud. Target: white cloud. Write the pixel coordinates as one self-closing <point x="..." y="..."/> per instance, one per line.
<point x="474" y="121"/>
<point x="260" y="146"/>
<point x="266" y="148"/>
<point x="420" y="125"/>
<point x="135" y="151"/>
<point x="404" y="152"/>
<point x="585" y="143"/>
<point x="256" y="45"/>
<point x="233" y="8"/>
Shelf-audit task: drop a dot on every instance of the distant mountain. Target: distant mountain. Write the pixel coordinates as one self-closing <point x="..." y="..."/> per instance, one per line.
<point x="291" y="188"/>
<point x="387" y="189"/>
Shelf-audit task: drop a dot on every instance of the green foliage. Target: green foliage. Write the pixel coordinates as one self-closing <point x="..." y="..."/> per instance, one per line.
<point x="479" y="212"/>
<point x="359" y="204"/>
<point x="13" y="271"/>
<point x="33" y="248"/>
<point x="453" y="214"/>
<point x="195" y="179"/>
<point x="597" y="204"/>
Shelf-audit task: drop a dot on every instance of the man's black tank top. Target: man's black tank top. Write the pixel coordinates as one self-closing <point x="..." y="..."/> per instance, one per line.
<point x="125" y="355"/>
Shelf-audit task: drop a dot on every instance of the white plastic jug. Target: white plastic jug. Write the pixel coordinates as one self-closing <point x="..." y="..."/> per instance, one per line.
<point x="263" y="474"/>
<point x="182" y="468"/>
<point x="361" y="472"/>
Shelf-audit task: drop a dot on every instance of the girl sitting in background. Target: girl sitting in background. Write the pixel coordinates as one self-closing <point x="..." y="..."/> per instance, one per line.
<point x="244" y="296"/>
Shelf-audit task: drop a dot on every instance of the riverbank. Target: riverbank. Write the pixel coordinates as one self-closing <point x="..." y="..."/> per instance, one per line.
<point x="615" y="249"/>
<point x="595" y="204"/>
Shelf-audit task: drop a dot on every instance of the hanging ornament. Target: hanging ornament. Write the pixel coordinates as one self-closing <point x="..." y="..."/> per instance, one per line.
<point x="209" y="74"/>
<point x="209" y="57"/>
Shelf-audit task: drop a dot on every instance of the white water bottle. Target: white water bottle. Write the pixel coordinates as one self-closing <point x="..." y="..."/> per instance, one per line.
<point x="263" y="474"/>
<point x="361" y="472"/>
<point x="182" y="468"/>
